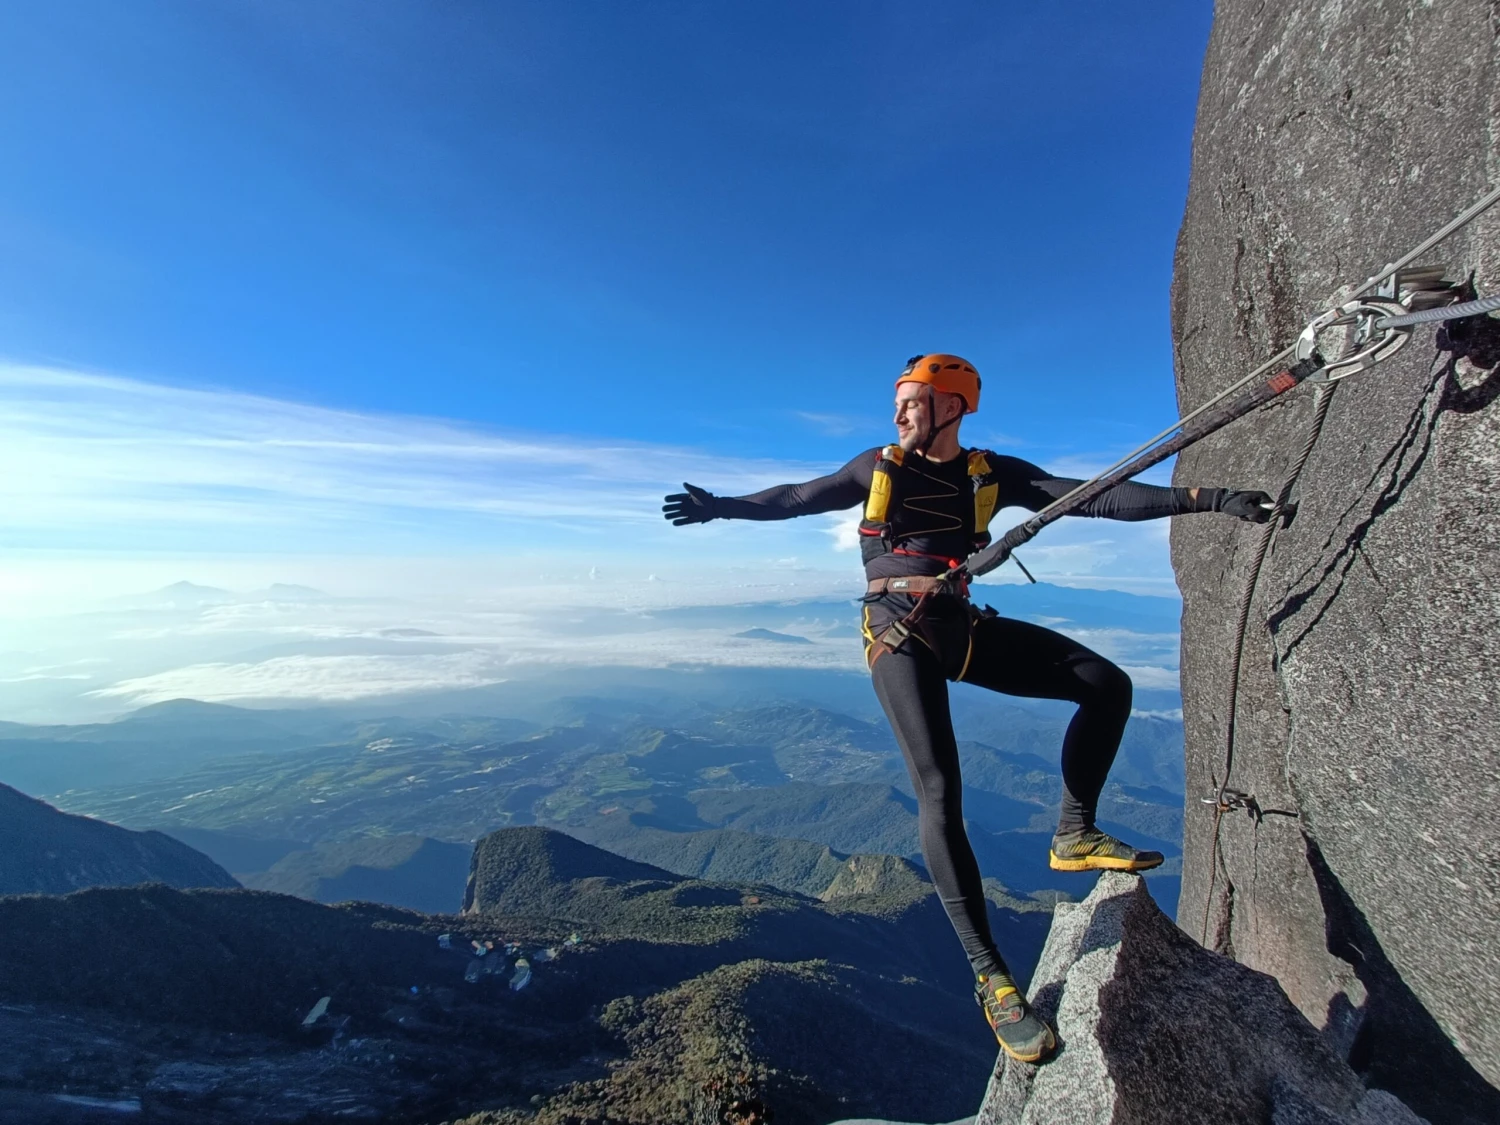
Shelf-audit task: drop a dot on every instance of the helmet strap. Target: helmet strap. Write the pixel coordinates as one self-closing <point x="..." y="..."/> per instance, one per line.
<point x="934" y="430"/>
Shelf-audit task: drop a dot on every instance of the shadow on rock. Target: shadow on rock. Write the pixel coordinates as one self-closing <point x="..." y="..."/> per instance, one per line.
<point x="1399" y="1046"/>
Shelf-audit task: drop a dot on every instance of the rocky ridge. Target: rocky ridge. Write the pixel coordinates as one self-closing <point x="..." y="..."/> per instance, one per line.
<point x="44" y="851"/>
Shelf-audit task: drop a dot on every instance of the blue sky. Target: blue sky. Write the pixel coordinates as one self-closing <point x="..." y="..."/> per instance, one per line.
<point x="355" y="280"/>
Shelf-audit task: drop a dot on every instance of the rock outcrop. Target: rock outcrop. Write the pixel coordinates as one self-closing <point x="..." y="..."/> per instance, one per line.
<point x="44" y="851"/>
<point x="1331" y="138"/>
<point x="876" y="874"/>
<point x="536" y="870"/>
<point x="1154" y="1028"/>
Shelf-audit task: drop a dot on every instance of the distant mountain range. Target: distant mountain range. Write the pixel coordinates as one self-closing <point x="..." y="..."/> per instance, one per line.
<point x="184" y="735"/>
<point x="43" y="851"/>
<point x="724" y="869"/>
<point x="789" y="781"/>
<point x="772" y="635"/>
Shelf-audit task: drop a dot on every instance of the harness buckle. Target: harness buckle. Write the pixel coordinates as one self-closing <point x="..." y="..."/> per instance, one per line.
<point x="902" y="632"/>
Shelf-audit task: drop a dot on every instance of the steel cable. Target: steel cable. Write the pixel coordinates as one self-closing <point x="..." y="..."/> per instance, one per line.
<point x="1321" y="401"/>
<point x="1448" y="312"/>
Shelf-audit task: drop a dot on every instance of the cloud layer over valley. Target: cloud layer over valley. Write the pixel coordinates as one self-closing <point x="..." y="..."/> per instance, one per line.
<point x="454" y="556"/>
<point x="290" y="644"/>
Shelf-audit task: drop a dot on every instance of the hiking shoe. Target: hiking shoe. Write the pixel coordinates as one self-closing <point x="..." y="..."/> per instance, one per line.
<point x="1090" y="850"/>
<point x="1023" y="1034"/>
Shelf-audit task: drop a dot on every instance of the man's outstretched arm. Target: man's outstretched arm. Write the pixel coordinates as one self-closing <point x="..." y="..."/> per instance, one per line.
<point x="1131" y="500"/>
<point x="843" y="489"/>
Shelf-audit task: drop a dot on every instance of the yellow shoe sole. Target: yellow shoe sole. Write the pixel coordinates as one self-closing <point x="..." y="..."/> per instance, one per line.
<point x="1100" y="863"/>
<point x="1046" y="1049"/>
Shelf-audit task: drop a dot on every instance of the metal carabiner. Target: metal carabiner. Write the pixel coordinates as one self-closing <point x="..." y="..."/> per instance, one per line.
<point x="1371" y="344"/>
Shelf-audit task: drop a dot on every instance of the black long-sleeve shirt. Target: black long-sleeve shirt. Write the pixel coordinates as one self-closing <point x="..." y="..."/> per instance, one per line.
<point x="932" y="507"/>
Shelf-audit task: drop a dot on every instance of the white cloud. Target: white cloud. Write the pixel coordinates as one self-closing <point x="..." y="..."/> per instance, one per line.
<point x="112" y="485"/>
<point x="1123" y="645"/>
<point x="521" y="648"/>
<point x="95" y="464"/>
<point x="322" y="678"/>
<point x="94" y="459"/>
<point x="30" y="677"/>
<point x="843" y="529"/>
<point x="259" y="648"/>
<point x="487" y="644"/>
<point x="1147" y="676"/>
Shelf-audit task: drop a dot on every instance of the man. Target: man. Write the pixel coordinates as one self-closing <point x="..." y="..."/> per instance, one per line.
<point x="928" y="502"/>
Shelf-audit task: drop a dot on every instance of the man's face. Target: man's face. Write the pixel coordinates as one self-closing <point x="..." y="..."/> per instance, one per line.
<point x="914" y="419"/>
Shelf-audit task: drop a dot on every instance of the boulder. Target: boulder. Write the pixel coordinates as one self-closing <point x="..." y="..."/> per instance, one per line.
<point x="1331" y="138"/>
<point x="1153" y="1028"/>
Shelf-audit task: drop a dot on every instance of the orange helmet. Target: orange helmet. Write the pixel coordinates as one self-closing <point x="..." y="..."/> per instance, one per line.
<point x="947" y="373"/>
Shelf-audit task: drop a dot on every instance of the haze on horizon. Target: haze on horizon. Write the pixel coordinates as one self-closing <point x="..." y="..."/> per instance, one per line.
<point x="426" y="310"/>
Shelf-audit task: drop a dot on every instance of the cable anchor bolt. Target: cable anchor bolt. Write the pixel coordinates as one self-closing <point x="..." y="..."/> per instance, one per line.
<point x="1228" y="800"/>
<point x="1368" y="346"/>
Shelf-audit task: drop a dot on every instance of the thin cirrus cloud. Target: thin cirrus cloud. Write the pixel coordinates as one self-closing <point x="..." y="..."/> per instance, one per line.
<point x="98" y="461"/>
<point x="834" y="425"/>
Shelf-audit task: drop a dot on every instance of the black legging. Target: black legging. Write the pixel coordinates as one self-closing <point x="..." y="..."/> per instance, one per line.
<point x="1008" y="656"/>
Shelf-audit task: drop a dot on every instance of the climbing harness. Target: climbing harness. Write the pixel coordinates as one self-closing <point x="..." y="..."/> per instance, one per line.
<point x="895" y="635"/>
<point x="915" y="584"/>
<point x="877" y="529"/>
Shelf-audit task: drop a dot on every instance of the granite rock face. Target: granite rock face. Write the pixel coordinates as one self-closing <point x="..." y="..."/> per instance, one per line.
<point x="1331" y="138"/>
<point x="1155" y="1029"/>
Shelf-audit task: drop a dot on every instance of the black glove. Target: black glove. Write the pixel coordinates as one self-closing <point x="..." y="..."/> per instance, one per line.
<point x="1253" y="506"/>
<point x="692" y="506"/>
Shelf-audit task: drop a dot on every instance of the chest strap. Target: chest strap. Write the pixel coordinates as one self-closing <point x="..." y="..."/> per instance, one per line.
<point x="982" y="478"/>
